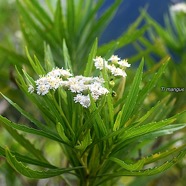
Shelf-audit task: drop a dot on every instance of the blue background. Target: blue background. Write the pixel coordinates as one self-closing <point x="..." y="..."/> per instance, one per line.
<point x="127" y="13"/>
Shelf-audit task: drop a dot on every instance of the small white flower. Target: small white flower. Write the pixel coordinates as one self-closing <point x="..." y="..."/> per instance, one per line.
<point x="76" y="84"/>
<point x="83" y="100"/>
<point x="179" y="7"/>
<point x="43" y="89"/>
<point x="54" y="82"/>
<point x="98" y="79"/>
<point x="96" y="90"/>
<point x="42" y="81"/>
<point x="117" y="71"/>
<point x="65" y="73"/>
<point x="100" y="63"/>
<point x="44" y="84"/>
<point x="57" y="72"/>
<point x="114" y="58"/>
<point x="82" y="79"/>
<point x="77" y="88"/>
<point x="124" y="63"/>
<point x="30" y="89"/>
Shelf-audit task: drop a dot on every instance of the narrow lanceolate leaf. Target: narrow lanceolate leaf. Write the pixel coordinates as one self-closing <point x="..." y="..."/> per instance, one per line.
<point x="104" y="20"/>
<point x="162" y="131"/>
<point x="49" y="61"/>
<point x="89" y="122"/>
<point x="16" y="59"/>
<point x="150" y="85"/>
<point x="145" y="172"/>
<point x="132" y="97"/>
<point x="66" y="55"/>
<point x="24" y="128"/>
<point x="99" y="125"/>
<point x="59" y="26"/>
<point x="117" y="122"/>
<point x="29" y="20"/>
<point x="151" y="115"/>
<point x="38" y="11"/>
<point x="27" y="159"/>
<point x="131" y="167"/>
<point x="36" y="65"/>
<point x="92" y="54"/>
<point x="70" y="17"/>
<point x="158" y="156"/>
<point x="82" y="145"/>
<point x="26" y="114"/>
<point x="90" y="9"/>
<point x="61" y="132"/>
<point x="25" y="143"/>
<point x="147" y="128"/>
<point x="28" y="172"/>
<point x="130" y="36"/>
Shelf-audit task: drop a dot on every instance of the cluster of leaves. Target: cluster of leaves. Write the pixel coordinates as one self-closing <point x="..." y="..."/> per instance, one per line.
<point x="172" y="40"/>
<point x="167" y="40"/>
<point x="112" y="138"/>
<point x="64" y="22"/>
<point x="100" y="143"/>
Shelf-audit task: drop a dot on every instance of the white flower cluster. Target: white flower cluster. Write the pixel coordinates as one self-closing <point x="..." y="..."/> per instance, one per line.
<point x="179" y="7"/>
<point x="51" y="81"/>
<point x="82" y="85"/>
<point x="114" y="64"/>
<point x="79" y="85"/>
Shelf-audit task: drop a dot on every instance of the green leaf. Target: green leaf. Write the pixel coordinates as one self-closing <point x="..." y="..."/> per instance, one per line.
<point x="109" y="99"/>
<point x="30" y="38"/>
<point x="38" y="12"/>
<point x="66" y="55"/>
<point x="104" y="20"/>
<point x="71" y="19"/>
<point x="88" y="17"/>
<point x="146" y="128"/>
<point x="61" y="133"/>
<point x="131" y="167"/>
<point x="26" y="159"/>
<point x="89" y="122"/>
<point x="16" y="59"/>
<point x="24" y="142"/>
<point x="36" y="65"/>
<point x="83" y="144"/>
<point x="99" y="125"/>
<point x="144" y="172"/>
<point x="150" y="171"/>
<point x="26" y="171"/>
<point x="118" y="121"/>
<point x="24" y="128"/>
<point x="131" y="35"/>
<point x="26" y="114"/>
<point x="49" y="61"/>
<point x="85" y="23"/>
<point x="28" y="20"/>
<point x="151" y="115"/>
<point x="148" y="87"/>
<point x="132" y="97"/>
<point x="90" y="63"/>
<point x="59" y="26"/>
<point x="158" y="156"/>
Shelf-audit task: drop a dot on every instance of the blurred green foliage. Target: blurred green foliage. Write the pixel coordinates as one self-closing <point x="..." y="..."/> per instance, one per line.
<point x="70" y="27"/>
